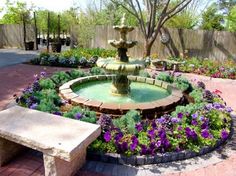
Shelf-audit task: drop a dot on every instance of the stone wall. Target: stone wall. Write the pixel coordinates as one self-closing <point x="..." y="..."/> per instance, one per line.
<point x="195" y="43"/>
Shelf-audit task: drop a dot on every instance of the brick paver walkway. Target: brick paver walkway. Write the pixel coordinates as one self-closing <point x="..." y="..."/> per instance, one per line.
<point x="219" y="163"/>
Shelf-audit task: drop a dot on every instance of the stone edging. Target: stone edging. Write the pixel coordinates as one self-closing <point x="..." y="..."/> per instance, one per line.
<point x="157" y="107"/>
<point x="145" y="160"/>
<point x="159" y="158"/>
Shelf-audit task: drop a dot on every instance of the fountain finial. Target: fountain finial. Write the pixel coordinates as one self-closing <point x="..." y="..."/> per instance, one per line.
<point x="123" y="19"/>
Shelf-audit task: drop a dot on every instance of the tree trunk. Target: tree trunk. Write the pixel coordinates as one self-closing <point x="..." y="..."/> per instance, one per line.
<point x="24" y="30"/>
<point x="48" y="29"/>
<point x="148" y="48"/>
<point x="36" y="32"/>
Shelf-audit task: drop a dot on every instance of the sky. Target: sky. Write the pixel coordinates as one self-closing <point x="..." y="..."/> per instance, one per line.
<point x="54" y="5"/>
<point x="61" y="5"/>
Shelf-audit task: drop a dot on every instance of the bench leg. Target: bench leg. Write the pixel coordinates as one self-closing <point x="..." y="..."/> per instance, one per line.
<point x="8" y="150"/>
<point x="164" y="66"/>
<point x="176" y="67"/>
<point x="57" y="167"/>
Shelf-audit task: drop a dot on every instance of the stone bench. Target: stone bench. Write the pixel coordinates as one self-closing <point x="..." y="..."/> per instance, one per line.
<point x="174" y="64"/>
<point x="62" y="141"/>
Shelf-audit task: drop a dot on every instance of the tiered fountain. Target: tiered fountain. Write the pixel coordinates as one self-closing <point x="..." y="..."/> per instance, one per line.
<point x="115" y="93"/>
<point x="121" y="66"/>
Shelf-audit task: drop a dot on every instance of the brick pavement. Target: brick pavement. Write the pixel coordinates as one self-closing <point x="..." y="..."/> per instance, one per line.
<point x="15" y="78"/>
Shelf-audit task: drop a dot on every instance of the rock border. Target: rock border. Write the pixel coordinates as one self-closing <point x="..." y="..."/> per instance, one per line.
<point x="147" y="109"/>
<point x="137" y="160"/>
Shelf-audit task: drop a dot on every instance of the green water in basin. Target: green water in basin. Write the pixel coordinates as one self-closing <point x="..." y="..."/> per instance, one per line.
<point x="101" y="91"/>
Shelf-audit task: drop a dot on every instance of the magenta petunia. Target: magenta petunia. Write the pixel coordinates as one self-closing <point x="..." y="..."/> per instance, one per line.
<point x="107" y="136"/>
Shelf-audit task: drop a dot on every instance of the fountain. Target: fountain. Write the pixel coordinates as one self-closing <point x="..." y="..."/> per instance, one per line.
<point x="121" y="66"/>
<point x="121" y="90"/>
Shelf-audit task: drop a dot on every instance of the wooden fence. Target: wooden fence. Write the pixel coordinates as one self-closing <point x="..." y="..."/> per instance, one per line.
<point x="198" y="43"/>
<point x="193" y="43"/>
<point x="11" y="35"/>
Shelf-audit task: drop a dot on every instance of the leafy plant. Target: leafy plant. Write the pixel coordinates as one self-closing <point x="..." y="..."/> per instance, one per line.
<point x="182" y="83"/>
<point x="60" y="78"/>
<point x="144" y="73"/>
<point x="165" y="77"/>
<point x="127" y="122"/>
<point x="47" y="84"/>
<point x="97" y="71"/>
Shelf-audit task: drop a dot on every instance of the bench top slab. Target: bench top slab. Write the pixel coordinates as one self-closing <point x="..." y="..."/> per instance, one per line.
<point x="53" y="135"/>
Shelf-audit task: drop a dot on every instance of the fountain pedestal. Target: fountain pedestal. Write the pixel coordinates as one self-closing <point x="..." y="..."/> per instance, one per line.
<point x="120" y="85"/>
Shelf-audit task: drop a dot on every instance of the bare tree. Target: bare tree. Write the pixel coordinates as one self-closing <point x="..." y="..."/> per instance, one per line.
<point x="152" y="15"/>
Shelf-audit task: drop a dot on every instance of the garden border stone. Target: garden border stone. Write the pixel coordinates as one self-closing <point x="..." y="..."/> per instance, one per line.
<point x="166" y="157"/>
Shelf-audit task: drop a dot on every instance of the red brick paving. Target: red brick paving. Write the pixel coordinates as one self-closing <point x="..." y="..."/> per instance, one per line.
<point x="15" y="78"/>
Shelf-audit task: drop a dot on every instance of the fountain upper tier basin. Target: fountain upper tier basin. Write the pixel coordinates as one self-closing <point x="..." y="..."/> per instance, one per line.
<point x="122" y="43"/>
<point x="115" y="66"/>
<point x="149" y="96"/>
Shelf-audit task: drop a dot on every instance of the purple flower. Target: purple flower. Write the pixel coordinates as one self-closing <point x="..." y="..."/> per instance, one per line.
<point x="161" y="120"/>
<point x="118" y="136"/>
<point x="180" y="128"/>
<point x="158" y="144"/>
<point x="224" y="134"/>
<point x="174" y="120"/>
<point x="205" y="133"/>
<point x="202" y="118"/>
<point x="204" y="125"/>
<point x="151" y="134"/>
<point x="195" y="115"/>
<point x="191" y="134"/>
<point x="180" y="115"/>
<point x="124" y="146"/>
<point x="229" y="109"/>
<point x="166" y="143"/>
<point x="133" y="146"/>
<point x="43" y="74"/>
<point x="154" y="125"/>
<point x="58" y="113"/>
<point x="194" y="123"/>
<point x="34" y="106"/>
<point x="107" y="136"/>
<point x="139" y="127"/>
<point x="78" y="116"/>
<point x="209" y="107"/>
<point x="162" y="134"/>
<point x="144" y="150"/>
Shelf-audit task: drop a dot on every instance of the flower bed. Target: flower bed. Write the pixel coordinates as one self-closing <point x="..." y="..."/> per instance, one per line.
<point x="197" y="127"/>
<point x="73" y="58"/>
<point x="208" y="67"/>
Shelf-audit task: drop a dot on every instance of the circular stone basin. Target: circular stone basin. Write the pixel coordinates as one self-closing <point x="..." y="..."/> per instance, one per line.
<point x="101" y="91"/>
<point x="151" y="97"/>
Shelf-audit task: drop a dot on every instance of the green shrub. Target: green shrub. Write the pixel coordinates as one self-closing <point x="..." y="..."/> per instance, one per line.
<point x="47" y="84"/>
<point x="165" y="77"/>
<point x="144" y="73"/>
<point x="182" y="83"/>
<point x="97" y="71"/>
<point x="60" y="78"/>
<point x="75" y="73"/>
<point x="127" y="122"/>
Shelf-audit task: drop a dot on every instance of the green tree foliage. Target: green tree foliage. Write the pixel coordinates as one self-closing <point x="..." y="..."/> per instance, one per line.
<point x="226" y="5"/>
<point x="184" y="20"/>
<point x="15" y="11"/>
<point x="212" y="19"/>
<point x="231" y="19"/>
